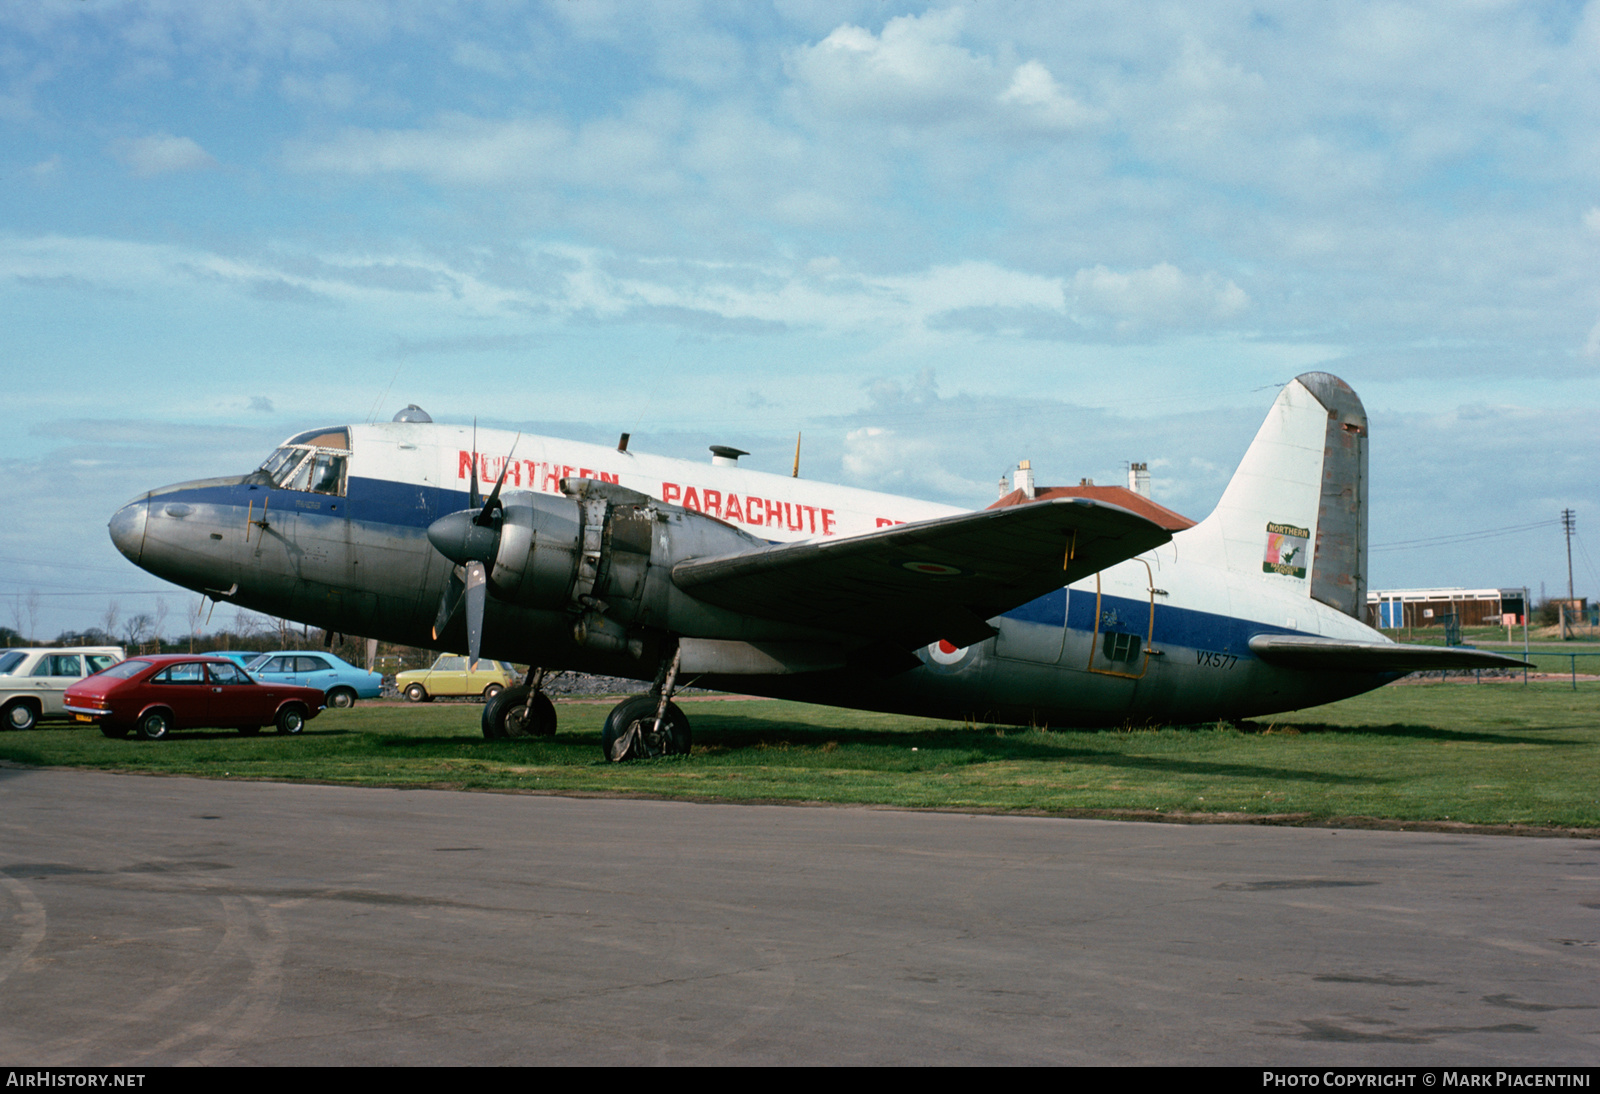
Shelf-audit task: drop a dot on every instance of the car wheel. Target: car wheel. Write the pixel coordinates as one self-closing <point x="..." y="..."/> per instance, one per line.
<point x="21" y="715"/>
<point x="491" y="691"/>
<point x="116" y="733"/>
<point x="341" y="699"/>
<point x="416" y="693"/>
<point x="290" y="720"/>
<point x="249" y="731"/>
<point x="155" y="725"/>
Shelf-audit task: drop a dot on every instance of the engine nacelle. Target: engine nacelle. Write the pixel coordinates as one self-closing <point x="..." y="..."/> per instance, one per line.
<point x="605" y="553"/>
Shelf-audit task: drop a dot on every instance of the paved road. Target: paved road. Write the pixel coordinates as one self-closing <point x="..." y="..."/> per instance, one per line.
<point x="149" y="921"/>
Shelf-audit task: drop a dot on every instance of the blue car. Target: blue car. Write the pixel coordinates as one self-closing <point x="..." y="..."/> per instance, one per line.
<point x="242" y="658"/>
<point x="340" y="681"/>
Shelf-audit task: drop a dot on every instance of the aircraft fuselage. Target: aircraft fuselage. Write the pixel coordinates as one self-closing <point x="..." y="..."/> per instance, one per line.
<point x="341" y="544"/>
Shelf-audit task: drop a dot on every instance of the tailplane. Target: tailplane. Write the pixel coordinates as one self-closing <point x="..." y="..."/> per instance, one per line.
<point x="1296" y="510"/>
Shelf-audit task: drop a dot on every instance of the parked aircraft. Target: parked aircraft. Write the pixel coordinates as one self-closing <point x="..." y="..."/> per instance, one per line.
<point x="1055" y="609"/>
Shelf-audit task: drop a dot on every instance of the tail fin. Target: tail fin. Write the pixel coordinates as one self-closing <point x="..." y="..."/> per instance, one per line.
<point x="1296" y="508"/>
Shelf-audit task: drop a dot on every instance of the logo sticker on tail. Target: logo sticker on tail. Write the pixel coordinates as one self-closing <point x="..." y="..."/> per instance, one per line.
<point x="1286" y="550"/>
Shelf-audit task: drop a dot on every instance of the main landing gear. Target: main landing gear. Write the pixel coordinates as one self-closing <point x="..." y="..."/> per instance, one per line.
<point x="648" y="725"/>
<point x="522" y="711"/>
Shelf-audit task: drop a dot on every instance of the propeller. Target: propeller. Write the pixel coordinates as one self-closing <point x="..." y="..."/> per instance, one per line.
<point x="470" y="538"/>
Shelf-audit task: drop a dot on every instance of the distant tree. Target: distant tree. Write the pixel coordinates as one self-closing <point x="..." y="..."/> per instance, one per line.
<point x="108" y="621"/>
<point x="11" y="637"/>
<point x="136" y="628"/>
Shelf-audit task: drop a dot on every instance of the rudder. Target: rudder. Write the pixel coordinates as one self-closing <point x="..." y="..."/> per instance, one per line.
<point x="1296" y="508"/>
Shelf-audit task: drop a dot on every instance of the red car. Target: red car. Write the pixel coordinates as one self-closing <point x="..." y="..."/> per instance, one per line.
<point x="155" y="695"/>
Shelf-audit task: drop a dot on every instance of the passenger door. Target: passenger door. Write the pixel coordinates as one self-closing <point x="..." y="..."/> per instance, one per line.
<point x="52" y="676"/>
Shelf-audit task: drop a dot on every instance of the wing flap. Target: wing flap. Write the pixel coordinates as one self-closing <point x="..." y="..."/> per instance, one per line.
<point x="1338" y="655"/>
<point x="918" y="583"/>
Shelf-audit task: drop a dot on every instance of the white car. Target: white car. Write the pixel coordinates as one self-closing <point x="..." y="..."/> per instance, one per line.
<point x="32" y="681"/>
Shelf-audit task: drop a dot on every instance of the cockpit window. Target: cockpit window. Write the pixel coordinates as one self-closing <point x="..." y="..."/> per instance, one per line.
<point x="313" y="461"/>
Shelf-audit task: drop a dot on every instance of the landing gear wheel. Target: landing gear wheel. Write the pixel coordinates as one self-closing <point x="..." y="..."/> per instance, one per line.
<point x="416" y="693"/>
<point x="639" y="712"/>
<point x="155" y="725"/>
<point x="290" y="720"/>
<point x="20" y="715"/>
<point x="341" y="698"/>
<point x="507" y="715"/>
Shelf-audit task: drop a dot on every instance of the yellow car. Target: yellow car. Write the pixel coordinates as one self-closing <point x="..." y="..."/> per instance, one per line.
<point x="449" y="676"/>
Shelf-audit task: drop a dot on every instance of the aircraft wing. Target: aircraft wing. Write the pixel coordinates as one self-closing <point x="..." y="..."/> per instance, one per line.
<point x="918" y="583"/>
<point x="1294" y="651"/>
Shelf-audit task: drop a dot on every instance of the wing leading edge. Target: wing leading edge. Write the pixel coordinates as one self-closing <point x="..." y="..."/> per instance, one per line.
<point x="1338" y="655"/>
<point x="918" y="583"/>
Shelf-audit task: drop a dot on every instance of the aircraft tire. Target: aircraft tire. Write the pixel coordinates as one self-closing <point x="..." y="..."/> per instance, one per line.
<point x="155" y="725"/>
<point x="503" y="715"/>
<point x="21" y="715"/>
<point x="674" y="739"/>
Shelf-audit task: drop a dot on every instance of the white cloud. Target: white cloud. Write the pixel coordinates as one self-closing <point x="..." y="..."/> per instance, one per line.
<point x="162" y="154"/>
<point x="883" y="459"/>
<point x="331" y="91"/>
<point x="1161" y="295"/>
<point x="916" y="73"/>
<point x="1040" y="99"/>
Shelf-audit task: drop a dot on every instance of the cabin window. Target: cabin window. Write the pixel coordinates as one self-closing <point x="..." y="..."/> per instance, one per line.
<point x="1121" y="647"/>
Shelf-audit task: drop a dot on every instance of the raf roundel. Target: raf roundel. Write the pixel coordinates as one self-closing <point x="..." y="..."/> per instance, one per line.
<point x="945" y="652"/>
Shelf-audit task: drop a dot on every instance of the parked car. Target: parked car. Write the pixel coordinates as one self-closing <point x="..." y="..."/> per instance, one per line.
<point x="32" y="681"/>
<point x="158" y="694"/>
<point x="341" y="682"/>
<point x="242" y="658"/>
<point x="449" y="676"/>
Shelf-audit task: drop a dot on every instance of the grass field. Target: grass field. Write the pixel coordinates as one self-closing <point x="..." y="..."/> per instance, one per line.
<point x="1484" y="754"/>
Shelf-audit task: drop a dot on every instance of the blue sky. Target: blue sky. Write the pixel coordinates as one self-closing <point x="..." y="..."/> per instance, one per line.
<point x="936" y="238"/>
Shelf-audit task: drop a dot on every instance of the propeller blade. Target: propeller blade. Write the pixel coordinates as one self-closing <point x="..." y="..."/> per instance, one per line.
<point x="448" y="603"/>
<point x="474" y="499"/>
<point x="477" y="586"/>
<point x="491" y="507"/>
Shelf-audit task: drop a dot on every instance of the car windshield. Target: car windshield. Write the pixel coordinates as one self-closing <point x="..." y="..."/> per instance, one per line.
<point x="254" y="664"/>
<point x="10" y="660"/>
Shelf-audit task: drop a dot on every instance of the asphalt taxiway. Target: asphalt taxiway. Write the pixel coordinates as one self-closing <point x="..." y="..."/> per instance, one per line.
<point x="149" y="921"/>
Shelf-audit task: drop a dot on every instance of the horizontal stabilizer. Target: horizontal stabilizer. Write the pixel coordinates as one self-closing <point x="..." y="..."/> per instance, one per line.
<point x="1292" y="651"/>
<point x="914" y="584"/>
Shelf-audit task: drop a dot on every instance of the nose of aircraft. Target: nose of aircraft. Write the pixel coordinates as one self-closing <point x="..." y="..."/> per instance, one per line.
<point x="128" y="525"/>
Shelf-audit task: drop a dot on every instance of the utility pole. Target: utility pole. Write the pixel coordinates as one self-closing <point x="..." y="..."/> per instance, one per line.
<point x="1569" y="524"/>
